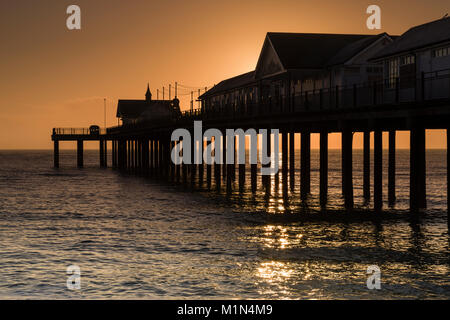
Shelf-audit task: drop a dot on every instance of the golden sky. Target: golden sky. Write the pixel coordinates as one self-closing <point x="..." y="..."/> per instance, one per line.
<point x="53" y="77"/>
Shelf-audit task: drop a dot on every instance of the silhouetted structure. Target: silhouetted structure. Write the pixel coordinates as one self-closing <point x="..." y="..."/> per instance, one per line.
<point x="135" y="111"/>
<point x="280" y="95"/>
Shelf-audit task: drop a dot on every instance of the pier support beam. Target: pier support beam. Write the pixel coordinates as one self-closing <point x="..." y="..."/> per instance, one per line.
<point x="151" y="160"/>
<point x="217" y="177"/>
<point x="193" y="160"/>
<point x="391" y="173"/>
<point x="56" y="154"/>
<point x="305" y="165"/>
<point x="224" y="154"/>
<point x="136" y="156"/>
<point x="105" y="154"/>
<point x="80" y="153"/>
<point x="122" y="154"/>
<point x="417" y="167"/>
<point x="378" y="170"/>
<point x="267" y="179"/>
<point x="201" y="166"/>
<point x="241" y="166"/>
<point x="323" y="168"/>
<point x="113" y="153"/>
<point x="284" y="156"/>
<point x="448" y="177"/>
<point x="347" y="168"/>
<point x="241" y="176"/>
<point x="128" y="154"/>
<point x="284" y="163"/>
<point x="208" y="167"/>
<point x="102" y="153"/>
<point x="366" y="166"/>
<point x="139" y="156"/>
<point x="133" y="156"/>
<point x="162" y="165"/>
<point x="292" y="159"/>
<point x="145" y="156"/>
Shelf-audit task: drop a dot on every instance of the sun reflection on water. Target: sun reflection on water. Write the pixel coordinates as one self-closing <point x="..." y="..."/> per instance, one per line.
<point x="274" y="271"/>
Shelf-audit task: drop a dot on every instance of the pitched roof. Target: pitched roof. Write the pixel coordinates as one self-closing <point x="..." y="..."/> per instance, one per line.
<point x="304" y="51"/>
<point x="427" y="34"/>
<point x="354" y="48"/>
<point x="310" y="50"/>
<point x="134" y="108"/>
<point x="231" y="83"/>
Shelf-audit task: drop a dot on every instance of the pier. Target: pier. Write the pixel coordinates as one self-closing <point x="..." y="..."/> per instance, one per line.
<point x="144" y="148"/>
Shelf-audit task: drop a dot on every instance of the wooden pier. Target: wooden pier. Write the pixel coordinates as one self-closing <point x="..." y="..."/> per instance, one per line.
<point x="145" y="148"/>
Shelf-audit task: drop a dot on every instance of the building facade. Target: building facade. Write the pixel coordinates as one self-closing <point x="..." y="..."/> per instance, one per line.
<point x="417" y="60"/>
<point x="136" y="111"/>
<point x="292" y="64"/>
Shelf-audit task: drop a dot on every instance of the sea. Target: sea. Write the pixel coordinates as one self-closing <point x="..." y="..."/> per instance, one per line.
<point x="134" y="237"/>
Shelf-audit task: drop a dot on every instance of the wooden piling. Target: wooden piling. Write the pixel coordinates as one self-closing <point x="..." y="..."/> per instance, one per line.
<point x="242" y="167"/>
<point x="305" y="164"/>
<point x="201" y="166"/>
<point x="284" y="155"/>
<point x="208" y="169"/>
<point x="448" y="177"/>
<point x="224" y="154"/>
<point x="161" y="163"/>
<point x="150" y="158"/>
<point x="122" y="158"/>
<point x="105" y="154"/>
<point x="267" y="179"/>
<point x="113" y="153"/>
<point x="378" y="170"/>
<point x="128" y="154"/>
<point x="80" y="153"/>
<point x="145" y="156"/>
<point x="101" y="153"/>
<point x="323" y="168"/>
<point x="193" y="159"/>
<point x="417" y="169"/>
<point x="292" y="159"/>
<point x="136" y="156"/>
<point x="347" y="168"/>
<point x="366" y="166"/>
<point x="391" y="172"/>
<point x="56" y="154"/>
<point x="217" y="146"/>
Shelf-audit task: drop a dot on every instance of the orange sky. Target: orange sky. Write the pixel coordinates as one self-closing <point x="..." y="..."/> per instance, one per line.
<point x="53" y="77"/>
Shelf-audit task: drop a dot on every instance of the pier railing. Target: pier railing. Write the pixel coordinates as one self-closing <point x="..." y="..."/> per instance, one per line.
<point x="76" y="131"/>
<point x="429" y="86"/>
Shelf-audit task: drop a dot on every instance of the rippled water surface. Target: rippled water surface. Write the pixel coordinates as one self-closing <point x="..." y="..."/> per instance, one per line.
<point x="141" y="238"/>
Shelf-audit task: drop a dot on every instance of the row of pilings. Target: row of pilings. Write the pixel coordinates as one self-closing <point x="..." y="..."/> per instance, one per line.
<point x="151" y="156"/>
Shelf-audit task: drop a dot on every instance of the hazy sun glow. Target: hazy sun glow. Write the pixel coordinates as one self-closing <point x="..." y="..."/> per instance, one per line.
<point x="53" y="77"/>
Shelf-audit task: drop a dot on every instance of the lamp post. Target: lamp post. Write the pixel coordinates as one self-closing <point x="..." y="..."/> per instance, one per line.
<point x="104" y="111"/>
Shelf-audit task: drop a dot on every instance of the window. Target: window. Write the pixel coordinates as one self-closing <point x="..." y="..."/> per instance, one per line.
<point x="441" y="52"/>
<point x="407" y="60"/>
<point x="393" y="72"/>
